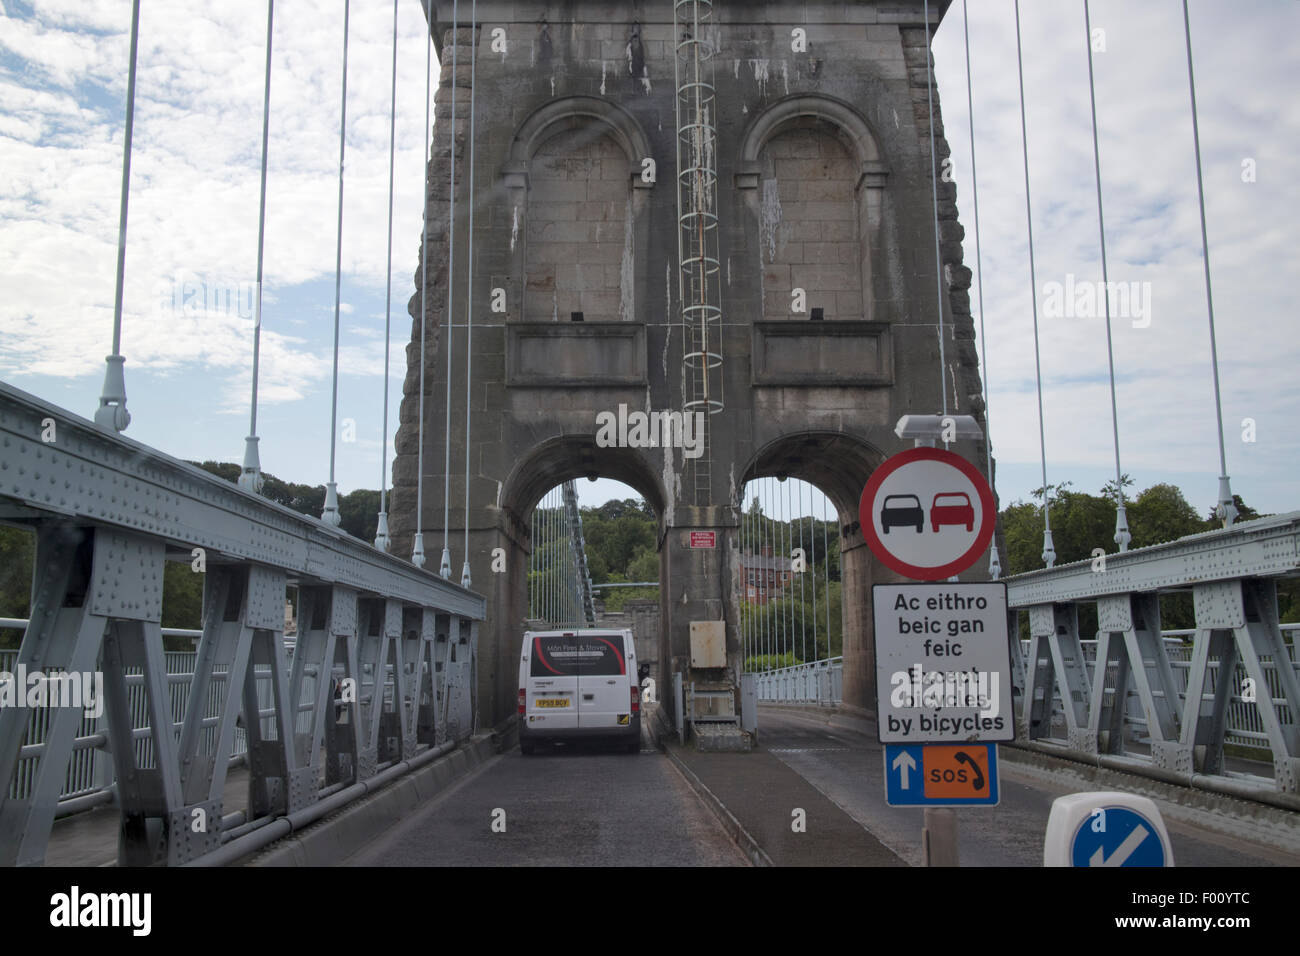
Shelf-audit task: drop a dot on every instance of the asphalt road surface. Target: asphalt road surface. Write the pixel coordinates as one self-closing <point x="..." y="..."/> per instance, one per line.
<point x="848" y="768"/>
<point x="583" y="806"/>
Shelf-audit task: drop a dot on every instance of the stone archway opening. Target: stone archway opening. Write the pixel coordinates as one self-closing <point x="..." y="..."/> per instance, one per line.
<point x="530" y="518"/>
<point x="594" y="562"/>
<point x="828" y="472"/>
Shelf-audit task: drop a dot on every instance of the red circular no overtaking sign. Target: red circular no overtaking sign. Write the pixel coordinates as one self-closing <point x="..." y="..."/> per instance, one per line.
<point x="927" y="513"/>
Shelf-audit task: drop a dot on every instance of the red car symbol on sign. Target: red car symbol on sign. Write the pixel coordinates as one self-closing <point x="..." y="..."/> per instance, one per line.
<point x="954" y="509"/>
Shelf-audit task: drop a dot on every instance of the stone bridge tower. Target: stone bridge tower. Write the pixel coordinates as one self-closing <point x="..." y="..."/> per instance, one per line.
<point x="823" y="192"/>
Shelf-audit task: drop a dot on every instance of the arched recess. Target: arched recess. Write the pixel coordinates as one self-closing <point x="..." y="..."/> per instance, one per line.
<point x="579" y="226"/>
<point x="839" y="466"/>
<point x="571" y="457"/>
<point x="836" y="463"/>
<point x="811" y="172"/>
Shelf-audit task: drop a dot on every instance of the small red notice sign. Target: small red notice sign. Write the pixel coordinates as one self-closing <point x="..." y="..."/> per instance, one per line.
<point x="704" y="539"/>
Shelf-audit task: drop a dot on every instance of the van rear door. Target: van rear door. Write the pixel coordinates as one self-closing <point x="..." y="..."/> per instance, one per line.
<point x="604" y="690"/>
<point x="553" y="683"/>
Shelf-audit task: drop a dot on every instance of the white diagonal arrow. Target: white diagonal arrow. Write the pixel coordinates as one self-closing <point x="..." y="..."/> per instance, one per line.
<point x="903" y="763"/>
<point x="1123" y="851"/>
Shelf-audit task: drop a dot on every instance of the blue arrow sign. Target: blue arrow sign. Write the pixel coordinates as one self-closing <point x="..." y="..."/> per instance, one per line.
<point x="1117" y="836"/>
<point x="941" y="775"/>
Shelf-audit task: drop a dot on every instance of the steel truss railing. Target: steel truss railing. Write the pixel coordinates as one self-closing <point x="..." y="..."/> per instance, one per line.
<point x="1231" y="574"/>
<point x="107" y="513"/>
<point x="1243" y="725"/>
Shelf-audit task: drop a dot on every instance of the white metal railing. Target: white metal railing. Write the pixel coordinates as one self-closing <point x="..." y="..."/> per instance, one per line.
<point x="816" y="682"/>
<point x="1243" y="727"/>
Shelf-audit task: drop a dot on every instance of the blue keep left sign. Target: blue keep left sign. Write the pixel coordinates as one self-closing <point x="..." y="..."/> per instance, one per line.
<point x="1106" y="828"/>
<point x="1117" y="836"/>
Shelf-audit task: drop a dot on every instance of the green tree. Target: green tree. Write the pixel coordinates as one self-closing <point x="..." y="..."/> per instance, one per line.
<point x="644" y="567"/>
<point x="617" y="534"/>
<point x="182" y="597"/>
<point x="1022" y="530"/>
<point x="1160" y="514"/>
<point x="359" y="513"/>
<point x="17" y="556"/>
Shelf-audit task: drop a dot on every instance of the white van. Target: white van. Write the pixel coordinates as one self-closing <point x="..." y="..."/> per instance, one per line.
<point x="579" y="684"/>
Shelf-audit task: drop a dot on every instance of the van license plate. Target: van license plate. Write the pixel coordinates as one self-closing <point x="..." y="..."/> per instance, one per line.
<point x="552" y="702"/>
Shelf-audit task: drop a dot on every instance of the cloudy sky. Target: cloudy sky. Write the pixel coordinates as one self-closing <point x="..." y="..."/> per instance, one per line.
<point x="193" y="226"/>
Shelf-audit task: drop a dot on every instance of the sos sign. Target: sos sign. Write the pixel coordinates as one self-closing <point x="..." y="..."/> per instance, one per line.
<point x="926" y="775"/>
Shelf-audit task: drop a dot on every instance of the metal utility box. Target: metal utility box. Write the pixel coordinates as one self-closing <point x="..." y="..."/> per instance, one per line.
<point x="708" y="644"/>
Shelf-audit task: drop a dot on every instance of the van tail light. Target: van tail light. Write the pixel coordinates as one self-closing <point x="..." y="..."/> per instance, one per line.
<point x="521" y="700"/>
<point x="636" y="699"/>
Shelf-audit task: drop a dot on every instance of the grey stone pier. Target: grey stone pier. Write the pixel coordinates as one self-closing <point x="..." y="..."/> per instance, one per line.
<point x="824" y="185"/>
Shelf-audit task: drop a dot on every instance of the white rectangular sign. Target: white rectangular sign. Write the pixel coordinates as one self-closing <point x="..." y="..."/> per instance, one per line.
<point x="943" y="663"/>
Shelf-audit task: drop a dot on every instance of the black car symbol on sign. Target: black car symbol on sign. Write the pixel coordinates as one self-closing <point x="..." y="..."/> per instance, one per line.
<point x="900" y="511"/>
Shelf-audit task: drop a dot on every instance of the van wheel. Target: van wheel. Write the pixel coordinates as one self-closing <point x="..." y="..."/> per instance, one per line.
<point x="527" y="748"/>
<point x="632" y="747"/>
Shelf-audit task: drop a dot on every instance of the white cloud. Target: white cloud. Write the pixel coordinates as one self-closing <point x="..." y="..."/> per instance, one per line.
<point x="195" y="170"/>
<point x="195" y="182"/>
<point x="1166" y="410"/>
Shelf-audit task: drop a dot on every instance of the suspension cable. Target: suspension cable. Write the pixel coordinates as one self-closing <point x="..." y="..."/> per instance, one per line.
<point x="746" y="568"/>
<point x="465" y="579"/>
<point x="444" y="569"/>
<point x="934" y="189"/>
<point x="812" y="546"/>
<point x="417" y="542"/>
<point x="804" y="643"/>
<point x="995" y="565"/>
<point x="1122" y="536"/>
<point x="826" y="552"/>
<point x="765" y="549"/>
<point x="1227" y="508"/>
<point x="381" y="530"/>
<point x="112" y="413"/>
<point x="1049" y="552"/>
<point x="788" y="594"/>
<point x="331" y="513"/>
<point x="763" y="527"/>
<point x="250" y="477"/>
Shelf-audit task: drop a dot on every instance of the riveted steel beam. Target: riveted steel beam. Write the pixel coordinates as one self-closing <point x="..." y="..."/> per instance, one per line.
<point x="1265" y="547"/>
<point x="93" y="477"/>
